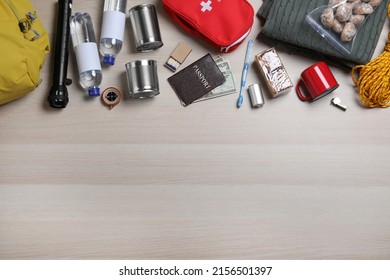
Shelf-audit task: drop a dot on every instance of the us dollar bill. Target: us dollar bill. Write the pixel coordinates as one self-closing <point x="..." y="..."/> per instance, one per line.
<point x="228" y="87"/>
<point x="218" y="59"/>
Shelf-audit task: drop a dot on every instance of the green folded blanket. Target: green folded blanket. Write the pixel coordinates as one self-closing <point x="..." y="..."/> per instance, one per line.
<point x="285" y="27"/>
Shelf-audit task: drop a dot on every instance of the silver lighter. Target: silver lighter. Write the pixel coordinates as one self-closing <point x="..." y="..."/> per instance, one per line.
<point x="256" y="95"/>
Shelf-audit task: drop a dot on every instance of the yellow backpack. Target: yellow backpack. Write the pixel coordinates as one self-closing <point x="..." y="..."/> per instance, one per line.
<point x="24" y="44"/>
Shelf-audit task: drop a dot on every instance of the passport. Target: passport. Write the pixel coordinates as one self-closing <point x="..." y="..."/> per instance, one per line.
<point x="196" y="80"/>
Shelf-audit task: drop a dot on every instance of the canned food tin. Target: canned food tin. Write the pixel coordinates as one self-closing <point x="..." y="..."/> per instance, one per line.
<point x="142" y="78"/>
<point x="145" y="27"/>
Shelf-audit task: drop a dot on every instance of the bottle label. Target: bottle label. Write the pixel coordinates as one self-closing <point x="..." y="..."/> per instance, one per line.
<point x="113" y="25"/>
<point x="87" y="57"/>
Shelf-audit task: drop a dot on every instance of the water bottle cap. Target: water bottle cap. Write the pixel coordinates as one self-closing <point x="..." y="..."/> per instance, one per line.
<point x="94" y="91"/>
<point x="109" y="60"/>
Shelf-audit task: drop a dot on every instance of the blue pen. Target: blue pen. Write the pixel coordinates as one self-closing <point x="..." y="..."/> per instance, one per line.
<point x="244" y="73"/>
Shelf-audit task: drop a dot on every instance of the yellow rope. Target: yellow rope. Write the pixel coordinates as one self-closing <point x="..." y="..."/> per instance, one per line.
<point x="374" y="79"/>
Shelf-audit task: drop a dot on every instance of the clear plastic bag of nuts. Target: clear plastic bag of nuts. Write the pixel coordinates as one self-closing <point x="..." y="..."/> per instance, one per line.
<point x="340" y="20"/>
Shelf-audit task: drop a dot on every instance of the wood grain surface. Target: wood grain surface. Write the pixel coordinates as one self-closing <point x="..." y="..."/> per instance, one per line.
<point x="151" y="179"/>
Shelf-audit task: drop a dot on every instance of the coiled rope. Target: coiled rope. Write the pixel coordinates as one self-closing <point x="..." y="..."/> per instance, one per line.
<point x="374" y="79"/>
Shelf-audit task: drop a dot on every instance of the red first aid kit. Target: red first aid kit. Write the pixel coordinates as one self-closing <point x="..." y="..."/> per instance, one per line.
<point x="222" y="23"/>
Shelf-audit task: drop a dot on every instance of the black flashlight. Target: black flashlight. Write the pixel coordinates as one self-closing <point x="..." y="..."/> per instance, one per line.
<point x="58" y="95"/>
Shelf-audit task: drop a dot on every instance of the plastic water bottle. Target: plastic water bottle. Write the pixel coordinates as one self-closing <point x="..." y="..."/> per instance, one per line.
<point x="113" y="28"/>
<point x="87" y="55"/>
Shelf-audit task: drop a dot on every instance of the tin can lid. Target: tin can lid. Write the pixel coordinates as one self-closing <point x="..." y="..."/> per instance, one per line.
<point x="142" y="7"/>
<point x="141" y="63"/>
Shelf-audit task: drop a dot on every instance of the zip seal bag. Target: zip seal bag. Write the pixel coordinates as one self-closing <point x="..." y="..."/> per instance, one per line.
<point x="340" y="21"/>
<point x="222" y="24"/>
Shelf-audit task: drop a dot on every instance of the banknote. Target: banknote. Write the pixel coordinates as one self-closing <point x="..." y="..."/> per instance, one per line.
<point x="228" y="87"/>
<point x="218" y="59"/>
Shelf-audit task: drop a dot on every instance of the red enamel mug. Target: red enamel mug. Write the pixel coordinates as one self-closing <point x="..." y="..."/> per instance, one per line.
<point x="318" y="81"/>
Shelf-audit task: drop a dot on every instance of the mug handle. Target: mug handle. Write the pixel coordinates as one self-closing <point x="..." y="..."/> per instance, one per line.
<point x="299" y="93"/>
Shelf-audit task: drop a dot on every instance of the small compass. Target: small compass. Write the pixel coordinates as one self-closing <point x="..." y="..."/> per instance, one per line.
<point x="111" y="97"/>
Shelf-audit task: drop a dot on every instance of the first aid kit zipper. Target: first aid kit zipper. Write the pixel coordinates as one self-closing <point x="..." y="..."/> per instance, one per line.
<point x="25" y="23"/>
<point x="242" y="38"/>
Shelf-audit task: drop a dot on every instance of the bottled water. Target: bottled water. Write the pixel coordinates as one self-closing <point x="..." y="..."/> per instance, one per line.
<point x="113" y="28"/>
<point x="87" y="55"/>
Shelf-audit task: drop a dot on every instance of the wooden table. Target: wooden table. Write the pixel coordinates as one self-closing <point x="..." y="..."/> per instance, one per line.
<point x="151" y="179"/>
